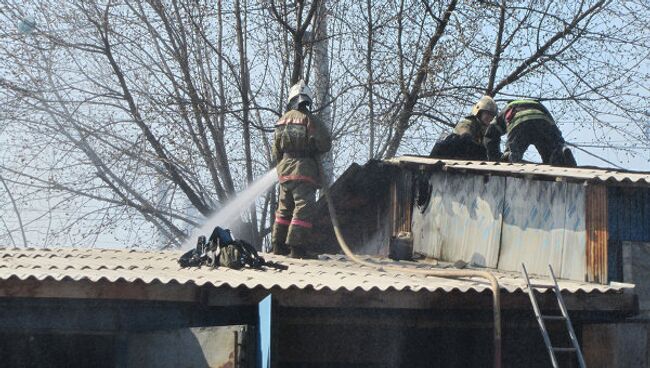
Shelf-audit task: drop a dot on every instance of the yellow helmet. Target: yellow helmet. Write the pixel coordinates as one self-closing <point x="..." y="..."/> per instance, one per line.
<point x="486" y="103"/>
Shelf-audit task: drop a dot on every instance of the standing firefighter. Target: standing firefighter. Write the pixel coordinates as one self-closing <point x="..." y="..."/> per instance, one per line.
<point x="299" y="138"/>
<point x="527" y="122"/>
<point x="466" y="141"/>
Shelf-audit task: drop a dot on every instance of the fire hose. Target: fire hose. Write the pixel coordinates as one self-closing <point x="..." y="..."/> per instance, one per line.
<point x="494" y="283"/>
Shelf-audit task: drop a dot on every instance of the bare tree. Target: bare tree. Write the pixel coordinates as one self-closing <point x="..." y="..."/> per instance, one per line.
<point x="147" y="116"/>
<point x="302" y="15"/>
<point x="412" y="94"/>
<point x="16" y="212"/>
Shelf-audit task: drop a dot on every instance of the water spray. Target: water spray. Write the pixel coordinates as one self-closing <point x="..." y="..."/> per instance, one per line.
<point x="229" y="215"/>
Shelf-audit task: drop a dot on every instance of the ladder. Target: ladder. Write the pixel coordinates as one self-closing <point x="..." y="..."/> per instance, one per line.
<point x="564" y="317"/>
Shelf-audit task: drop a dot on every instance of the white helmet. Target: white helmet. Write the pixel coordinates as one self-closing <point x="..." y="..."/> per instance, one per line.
<point x="301" y="91"/>
<point x="486" y="103"/>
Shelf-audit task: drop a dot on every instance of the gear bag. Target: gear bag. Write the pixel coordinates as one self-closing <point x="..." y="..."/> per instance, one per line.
<point x="222" y="250"/>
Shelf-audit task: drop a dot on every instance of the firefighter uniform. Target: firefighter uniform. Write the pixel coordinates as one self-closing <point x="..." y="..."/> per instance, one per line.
<point x="299" y="138"/>
<point x="471" y="126"/>
<point x="466" y="141"/>
<point x="527" y="122"/>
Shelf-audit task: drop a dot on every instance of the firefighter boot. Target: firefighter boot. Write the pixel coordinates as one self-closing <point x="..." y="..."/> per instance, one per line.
<point x="279" y="238"/>
<point x="569" y="160"/>
<point x="300" y="253"/>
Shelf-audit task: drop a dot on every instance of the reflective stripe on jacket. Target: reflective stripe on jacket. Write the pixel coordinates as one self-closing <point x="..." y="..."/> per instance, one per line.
<point x="519" y="111"/>
<point x="302" y="137"/>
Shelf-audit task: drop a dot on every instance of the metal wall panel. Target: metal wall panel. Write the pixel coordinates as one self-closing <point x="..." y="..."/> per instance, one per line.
<point x="596" y="224"/>
<point x="629" y="214"/>
<point x="536" y="224"/>
<point x="574" y="266"/>
<point x="628" y="219"/>
<point x="462" y="220"/>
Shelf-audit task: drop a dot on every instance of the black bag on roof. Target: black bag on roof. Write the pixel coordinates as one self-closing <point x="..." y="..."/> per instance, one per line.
<point x="221" y="249"/>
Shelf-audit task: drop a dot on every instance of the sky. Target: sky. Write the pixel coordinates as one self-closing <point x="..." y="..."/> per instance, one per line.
<point x="599" y="156"/>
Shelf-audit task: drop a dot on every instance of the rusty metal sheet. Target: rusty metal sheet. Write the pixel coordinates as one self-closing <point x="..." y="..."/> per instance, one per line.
<point x="535" y="226"/>
<point x="462" y="220"/>
<point x="597" y="235"/>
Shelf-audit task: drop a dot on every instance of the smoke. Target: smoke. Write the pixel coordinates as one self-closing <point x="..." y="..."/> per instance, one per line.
<point x="229" y="215"/>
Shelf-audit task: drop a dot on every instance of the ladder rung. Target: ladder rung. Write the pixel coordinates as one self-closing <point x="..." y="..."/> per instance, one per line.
<point x="564" y="350"/>
<point x="554" y="318"/>
<point x="563" y="317"/>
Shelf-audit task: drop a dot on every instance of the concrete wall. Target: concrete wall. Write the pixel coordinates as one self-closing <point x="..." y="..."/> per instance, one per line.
<point x="27" y="350"/>
<point x="636" y="270"/>
<point x="221" y="346"/>
<point x="622" y="345"/>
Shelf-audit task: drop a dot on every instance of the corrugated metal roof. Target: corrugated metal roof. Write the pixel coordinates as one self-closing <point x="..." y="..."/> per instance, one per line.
<point x="577" y="173"/>
<point x="332" y="272"/>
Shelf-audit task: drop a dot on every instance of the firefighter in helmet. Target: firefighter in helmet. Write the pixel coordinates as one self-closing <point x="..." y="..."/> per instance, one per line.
<point x="527" y="122"/>
<point x="466" y="141"/>
<point x="298" y="141"/>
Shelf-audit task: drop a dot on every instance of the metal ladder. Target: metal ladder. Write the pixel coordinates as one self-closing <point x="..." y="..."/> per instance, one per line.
<point x="565" y="317"/>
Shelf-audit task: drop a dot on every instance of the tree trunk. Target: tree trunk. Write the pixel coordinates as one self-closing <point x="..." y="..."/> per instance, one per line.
<point x="322" y="82"/>
<point x="244" y="89"/>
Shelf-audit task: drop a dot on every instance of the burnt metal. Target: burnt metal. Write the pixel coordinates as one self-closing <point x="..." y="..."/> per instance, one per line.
<point x="402" y="202"/>
<point x="401" y="247"/>
<point x="362" y="196"/>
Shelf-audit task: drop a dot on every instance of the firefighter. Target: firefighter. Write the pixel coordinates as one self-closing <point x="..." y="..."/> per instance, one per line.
<point x="527" y="122"/>
<point x="298" y="141"/>
<point x="466" y="141"/>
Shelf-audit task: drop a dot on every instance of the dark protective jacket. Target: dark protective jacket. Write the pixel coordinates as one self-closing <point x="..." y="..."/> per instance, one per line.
<point x="515" y="113"/>
<point x="299" y="138"/>
<point x="472" y="126"/>
<point x="465" y="143"/>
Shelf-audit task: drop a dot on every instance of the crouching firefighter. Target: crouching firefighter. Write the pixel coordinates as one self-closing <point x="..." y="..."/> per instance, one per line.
<point x="299" y="139"/>
<point x="466" y="141"/>
<point x="527" y="122"/>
